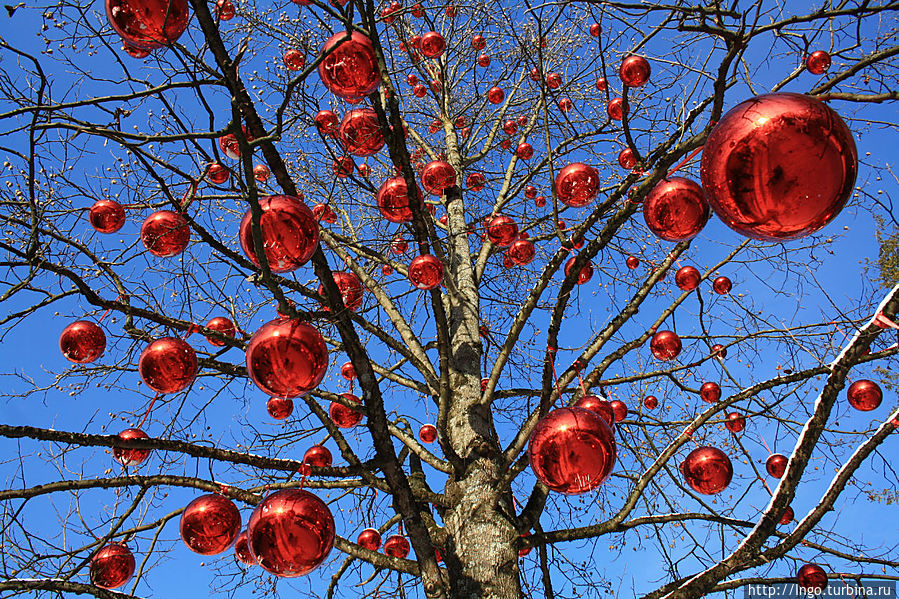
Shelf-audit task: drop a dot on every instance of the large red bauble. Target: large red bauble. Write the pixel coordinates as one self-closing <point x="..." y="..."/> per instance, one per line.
<point x="817" y="62"/>
<point x="776" y="465"/>
<point x="864" y="395"/>
<point x="344" y="416"/>
<point x="369" y="539"/>
<point x="112" y="566"/>
<point x="350" y="287"/>
<point x="722" y="285"/>
<point x="427" y="433"/>
<point x="572" y="450"/>
<point x="279" y="408"/>
<point x="168" y="365"/>
<point x="361" y="133"/>
<point x="687" y="278"/>
<point x="148" y="24"/>
<point x="676" y="209"/>
<point x="351" y="70"/>
<point x="106" y="216"/>
<point x="577" y="184"/>
<point x="736" y="422"/>
<point x="634" y="71"/>
<point x="619" y="410"/>
<point x="396" y="546"/>
<point x="131" y="457"/>
<point x="287" y="358"/>
<point x="289" y="233"/>
<point x="438" y="176"/>
<point x="82" y="341"/>
<point x="707" y="470"/>
<point x="665" y="345"/>
<point x="432" y="44"/>
<point x="242" y="550"/>
<point x="779" y="166"/>
<point x="502" y="230"/>
<point x="291" y="532"/>
<point x="165" y="233"/>
<point x="425" y="272"/>
<point x="710" y="392"/>
<point x="393" y="200"/>
<point x="812" y="578"/>
<point x="586" y="272"/>
<point x="210" y="524"/>
<point x="521" y="252"/>
<point x="221" y="325"/>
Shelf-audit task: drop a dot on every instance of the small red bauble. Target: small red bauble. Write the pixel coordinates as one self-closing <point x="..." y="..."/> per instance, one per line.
<point x="632" y="262"/>
<point x="707" y="470"/>
<point x="291" y="532"/>
<point x="242" y="550"/>
<point x="106" y="216"/>
<point x="812" y="578"/>
<point x="525" y="151"/>
<point x="287" y="358"/>
<point x="221" y="325"/>
<point x="496" y="95"/>
<point x="864" y="395"/>
<point x="364" y="170"/>
<point x="351" y="289"/>
<point x="722" y="285"/>
<point x="82" y="341"/>
<point x="650" y="402"/>
<point x="289" y="233"/>
<point x="577" y="184"/>
<point x="484" y="60"/>
<point x="432" y="44"/>
<point x="426" y="272"/>
<point x="351" y="70"/>
<point x="586" y="272"/>
<point x="361" y="133"/>
<point x="393" y="200"/>
<point x="343" y="167"/>
<point x="148" y="24"/>
<point x="168" y="365"/>
<point x="399" y="245"/>
<point x="478" y="42"/>
<point x="626" y="158"/>
<point x="294" y="60"/>
<point x="427" y="433"/>
<point x="619" y="409"/>
<point x="572" y="450"/>
<point x="521" y="252"/>
<point x="788" y="516"/>
<point x="510" y="127"/>
<point x="318" y="456"/>
<point x="817" y="62"/>
<point x="475" y="181"/>
<point x="261" y="173"/>
<point x="502" y="231"/>
<point x="634" y="71"/>
<point x="419" y="91"/>
<point x="348" y="371"/>
<point x="595" y="30"/>
<point x="130" y="457"/>
<point x="210" y="524"/>
<point x="369" y="539"/>
<point x="112" y="566"/>
<point x="615" y="109"/>
<point x="396" y="546"/>
<point x="279" y="408"/>
<point x="540" y="201"/>
<point x="676" y="209"/>
<point x="687" y="278"/>
<point x="165" y="233"/>
<point x="218" y="174"/>
<point x="326" y="122"/>
<point x="530" y="192"/>
<point x="735" y="422"/>
<point x="229" y="145"/>
<point x="565" y="104"/>
<point x="719" y="351"/>
<point x="602" y="84"/>
<point x="710" y="392"/>
<point x="438" y="176"/>
<point x="553" y="80"/>
<point x="665" y="345"/>
<point x="224" y="9"/>
<point x="535" y="74"/>
<point x="776" y="465"/>
<point x="344" y="416"/>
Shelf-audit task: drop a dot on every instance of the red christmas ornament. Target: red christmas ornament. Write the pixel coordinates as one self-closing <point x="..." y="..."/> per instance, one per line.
<point x="665" y="345"/>
<point x="287" y="358"/>
<point x="484" y="60"/>
<point x="343" y="167"/>
<point x="351" y="289"/>
<point x="318" y="456"/>
<point x="540" y="201"/>
<point x="343" y="416"/>
<point x="626" y="158"/>
<point x="864" y="395"/>
<point x="510" y="127"/>
<point x="687" y="278"/>
<point x="112" y="566"/>
<point x="364" y="170"/>
<point x="148" y="24"/>
<point x="82" y="341"/>
<point x="632" y="262"/>
<point x="419" y="91"/>
<point x="369" y="539"/>
<point x="425" y="272"/>
<point x="719" y="351"/>
<point x="348" y="371"/>
<point x="130" y="457"/>
<point x="229" y="145"/>
<point x="676" y="209"/>
<point x="261" y="173"/>
<point x="437" y="177"/>
<point x="812" y="578"/>
<point x="722" y="285"/>
<point x="218" y="174"/>
<point x="553" y="80"/>
<point x="399" y="245"/>
<point x="427" y="433"/>
<point x="650" y="402"/>
<point x="524" y="151"/>
<point x="565" y="104"/>
<point x="521" y="252"/>
<point x="707" y="470"/>
<point x="788" y="516"/>
<point x="595" y="30"/>
<point x="361" y="133"/>
<point x="432" y="44"/>
<point x="535" y="74"/>
<point x="351" y="70"/>
<point x="602" y="84"/>
<point x="735" y="422"/>
<point x="279" y="408"/>
<point x="221" y="325"/>
<point x="225" y="10"/>
<point x="326" y="123"/>
<point x="502" y="231"/>
<point x="619" y="410"/>
<point x="779" y="166"/>
<point x="210" y="524"/>
<point x="478" y="42"/>
<point x="577" y="184"/>
<point x="168" y="365"/>
<point x="817" y="62"/>
<point x="165" y="233"/>
<point x="393" y="200"/>
<point x="106" y="216"/>
<point x="586" y="272"/>
<point x="710" y="392"/>
<point x="496" y="95"/>
<point x="396" y="546"/>
<point x="291" y="533"/>
<point x="242" y="550"/>
<point x="615" y="109"/>
<point x="634" y="71"/>
<point x="294" y="60"/>
<point x="289" y="233"/>
<point x="776" y="465"/>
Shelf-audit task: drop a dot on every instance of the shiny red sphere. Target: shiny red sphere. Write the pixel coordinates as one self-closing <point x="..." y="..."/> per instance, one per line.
<point x="475" y="181"/>
<point x="632" y="262"/>
<point x="242" y="550"/>
<point x="289" y="233"/>
<point x="261" y="173"/>
<point x="397" y="546"/>
<point x="722" y="285"/>
<point x="393" y="200"/>
<point x="348" y="371"/>
<point x="106" y="216"/>
<point x="279" y="408"/>
<point x="427" y="433"/>
<point x="577" y="184"/>
<point x="524" y="151"/>
<point x="351" y="70"/>
<point x="776" y="465"/>
<point x="626" y="158"/>
<point x="676" y="209"/>
<point x="602" y="84"/>
<point x="565" y="104"/>
<point x="788" y="516"/>
<point x="344" y="416"/>
<point x="130" y="457"/>
<point x="287" y="358"/>
<point x="351" y="289"/>
<point x="210" y="524"/>
<point x="864" y="395"/>
<point x="521" y="252"/>
<point x="710" y="392"/>
<point x="707" y="470"/>
<point x="165" y="233"/>
<point x="225" y="10"/>
<point x="817" y="62"/>
<point x="168" y="365"/>
<point x="687" y="278"/>
<point x="426" y="272"/>
<point x="478" y="42"/>
<point x="326" y="122"/>
<point x="502" y="231"/>
<point x="615" y="109"/>
<point x="318" y="456"/>
<point x="291" y="532"/>
<point x="496" y="95"/>
<point x="148" y="24"/>
<point x="719" y="351"/>
<point x="82" y="341"/>
<point x="112" y="566"/>
<point x="634" y="71"/>
<point x="572" y="450"/>
<point x="619" y="410"/>
<point x="294" y="60"/>
<point x="510" y="127"/>
<point x="484" y="60"/>
<point x="361" y="133"/>
<point x="600" y="406"/>
<point x="432" y="44"/>
<point x="811" y="578"/>
<point x="650" y="402"/>
<point x="586" y="271"/>
<point x="438" y="176"/>
<point x="369" y="539"/>
<point x="665" y="345"/>
<point x="553" y="80"/>
<point x="595" y="30"/>
<point x="779" y="166"/>
<point x="736" y="422"/>
<point x="221" y="325"/>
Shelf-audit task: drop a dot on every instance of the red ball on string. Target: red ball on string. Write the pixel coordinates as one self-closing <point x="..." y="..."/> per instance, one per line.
<point x="279" y="408"/>
<point x="665" y="345"/>
<point x="437" y="177"/>
<point x="318" y="456"/>
<point x="484" y="60"/>
<point x="217" y="174"/>
<point x="294" y="60"/>
<point x="351" y="70"/>
<point x="344" y="416"/>
<point x="289" y="233"/>
<point x="676" y="209"/>
<point x="287" y="358"/>
<point x="707" y="470"/>
<point x="369" y="539"/>
<point x="348" y="371"/>
<point x="602" y="84"/>
<point x="595" y="30"/>
<point x="812" y="578"/>
<point x="496" y="95"/>
<point x="393" y="200"/>
<point x="112" y="566"/>
<point x="478" y="42"/>
<point x="650" y="402"/>
<point x="634" y="71"/>
<point x="225" y="10"/>
<point x="687" y="278"/>
<point x="261" y="173"/>
<point x="168" y="365"/>
<point x="427" y="433"/>
<point x="326" y="123"/>
<point x="361" y="133"/>
<point x="521" y="252"/>
<point x="719" y="351"/>
<point x="106" y="216"/>
<point x="779" y="166"/>
<point x="577" y="184"/>
<point x="396" y="546"/>
<point x="229" y="145"/>
<point x="524" y="151"/>
<point x="351" y="289"/>
<point x="710" y="392"/>
<point x="82" y="342"/>
<point x="586" y="271"/>
<point x="632" y="262"/>
<point x="615" y="109"/>
<point x="210" y="524"/>
<point x="626" y="158"/>
<point x="722" y="285"/>
<point x="425" y="272"/>
<point x="130" y="457"/>
<point x="572" y="450"/>
<point x="502" y="230"/>
<point x="565" y="104"/>
<point x="165" y="233"/>
<point x="619" y="410"/>
<point x="864" y="395"/>
<point x="221" y="325"/>
<point x="817" y="62"/>
<point x="432" y="44"/>
<point x="291" y="532"/>
<point x="475" y="181"/>
<point x="735" y="422"/>
<point x="553" y="80"/>
<point x="776" y="465"/>
<point x="148" y="24"/>
<point x="242" y="550"/>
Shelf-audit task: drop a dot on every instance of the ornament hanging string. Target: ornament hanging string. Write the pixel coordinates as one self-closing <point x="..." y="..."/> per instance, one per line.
<point x="577" y="369"/>
<point x="149" y="409"/>
<point x="552" y="362"/>
<point x="683" y="162"/>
